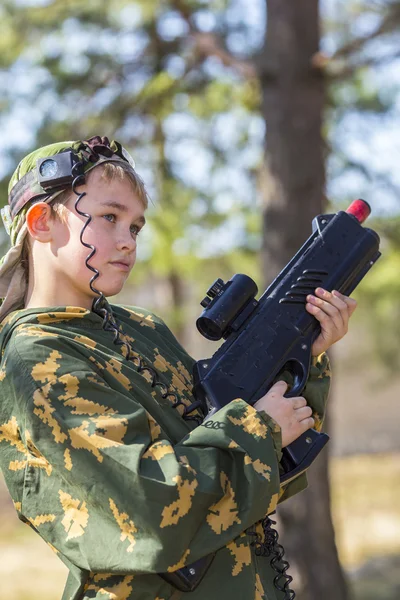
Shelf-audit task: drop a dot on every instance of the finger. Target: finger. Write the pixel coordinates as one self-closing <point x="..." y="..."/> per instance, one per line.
<point x="298" y="402"/>
<point x="325" y="313"/>
<point x="351" y="303"/>
<point x="331" y="298"/>
<point x="280" y="386"/>
<point x="334" y="301"/>
<point x="307" y="423"/>
<point x="303" y="413"/>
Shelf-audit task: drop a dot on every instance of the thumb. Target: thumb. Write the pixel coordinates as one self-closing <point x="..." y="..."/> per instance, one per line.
<point x="280" y="386"/>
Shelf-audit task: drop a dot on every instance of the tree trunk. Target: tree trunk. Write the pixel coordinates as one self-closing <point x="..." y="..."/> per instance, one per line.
<point x="293" y="192"/>
<point x="293" y="101"/>
<point x="179" y="302"/>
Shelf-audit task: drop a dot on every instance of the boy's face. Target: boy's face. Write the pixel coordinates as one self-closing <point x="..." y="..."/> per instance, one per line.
<point x="117" y="217"/>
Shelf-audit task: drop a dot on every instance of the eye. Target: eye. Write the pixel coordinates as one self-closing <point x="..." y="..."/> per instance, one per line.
<point x="110" y="217"/>
<point x="135" y="229"/>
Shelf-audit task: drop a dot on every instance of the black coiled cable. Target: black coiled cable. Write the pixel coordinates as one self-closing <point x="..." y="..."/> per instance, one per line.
<point x="101" y="307"/>
<point x="270" y="547"/>
<point x="80" y="180"/>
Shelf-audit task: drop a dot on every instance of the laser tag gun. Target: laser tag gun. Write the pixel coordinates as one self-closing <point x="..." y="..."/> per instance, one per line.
<point x="275" y="333"/>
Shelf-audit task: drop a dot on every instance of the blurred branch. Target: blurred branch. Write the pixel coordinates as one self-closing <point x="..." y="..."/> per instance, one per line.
<point x="348" y="70"/>
<point x="389" y="24"/>
<point x="382" y="179"/>
<point x="338" y="66"/>
<point x="145" y="102"/>
<point x="210" y="44"/>
<point x="207" y="44"/>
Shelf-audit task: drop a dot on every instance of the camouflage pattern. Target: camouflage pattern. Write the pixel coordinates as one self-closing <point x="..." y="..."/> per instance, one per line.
<point x="24" y="184"/>
<point x="112" y="477"/>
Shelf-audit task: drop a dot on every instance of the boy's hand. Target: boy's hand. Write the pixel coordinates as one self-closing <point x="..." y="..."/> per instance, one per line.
<point x="333" y="311"/>
<point x="292" y="414"/>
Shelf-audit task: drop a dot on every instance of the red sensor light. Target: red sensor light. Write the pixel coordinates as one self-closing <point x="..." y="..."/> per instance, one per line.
<point x="360" y="210"/>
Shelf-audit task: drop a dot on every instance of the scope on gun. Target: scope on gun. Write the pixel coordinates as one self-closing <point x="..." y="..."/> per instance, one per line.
<point x="223" y="303"/>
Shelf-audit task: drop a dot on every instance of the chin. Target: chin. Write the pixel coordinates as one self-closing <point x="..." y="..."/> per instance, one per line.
<point x="109" y="289"/>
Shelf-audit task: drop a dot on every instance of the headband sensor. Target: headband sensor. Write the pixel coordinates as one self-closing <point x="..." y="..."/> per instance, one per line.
<point x="56" y="171"/>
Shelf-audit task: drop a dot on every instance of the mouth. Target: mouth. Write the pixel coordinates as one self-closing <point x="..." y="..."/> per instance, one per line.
<point x="122" y="265"/>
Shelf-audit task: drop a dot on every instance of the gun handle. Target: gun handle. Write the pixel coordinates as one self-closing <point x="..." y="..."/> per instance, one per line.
<point x="301" y="453"/>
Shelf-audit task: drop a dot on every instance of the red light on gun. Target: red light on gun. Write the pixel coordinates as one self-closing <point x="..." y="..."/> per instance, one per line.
<point x="360" y="210"/>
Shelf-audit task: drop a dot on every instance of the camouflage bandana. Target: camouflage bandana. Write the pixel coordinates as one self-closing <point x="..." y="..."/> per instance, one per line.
<point x="24" y="190"/>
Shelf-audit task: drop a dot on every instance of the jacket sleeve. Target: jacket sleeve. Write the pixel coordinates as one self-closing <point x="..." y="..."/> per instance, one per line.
<point x="107" y="497"/>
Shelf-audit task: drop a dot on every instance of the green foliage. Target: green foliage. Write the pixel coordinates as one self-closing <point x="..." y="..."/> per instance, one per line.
<point x="379" y="307"/>
<point x="363" y="99"/>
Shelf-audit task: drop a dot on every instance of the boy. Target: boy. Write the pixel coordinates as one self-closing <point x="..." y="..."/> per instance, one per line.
<point x="101" y="442"/>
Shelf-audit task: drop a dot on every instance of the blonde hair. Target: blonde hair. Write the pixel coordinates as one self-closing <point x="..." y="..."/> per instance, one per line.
<point x="110" y="171"/>
<point x="121" y="171"/>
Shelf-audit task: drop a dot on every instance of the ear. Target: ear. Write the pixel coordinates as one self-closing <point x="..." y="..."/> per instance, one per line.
<point x="38" y="220"/>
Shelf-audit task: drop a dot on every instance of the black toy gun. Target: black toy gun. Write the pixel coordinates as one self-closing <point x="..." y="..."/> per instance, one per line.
<point x="275" y="333"/>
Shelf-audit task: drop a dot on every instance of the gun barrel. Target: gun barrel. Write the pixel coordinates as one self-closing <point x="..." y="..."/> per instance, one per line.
<point x="360" y="210"/>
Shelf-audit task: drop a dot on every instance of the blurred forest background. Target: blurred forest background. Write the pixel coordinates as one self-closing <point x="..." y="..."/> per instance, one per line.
<point x="246" y="118"/>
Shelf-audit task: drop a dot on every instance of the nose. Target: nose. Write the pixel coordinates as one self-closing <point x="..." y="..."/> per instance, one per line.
<point x="126" y="242"/>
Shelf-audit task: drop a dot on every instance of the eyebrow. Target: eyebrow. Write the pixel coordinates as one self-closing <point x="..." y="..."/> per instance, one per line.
<point x="122" y="208"/>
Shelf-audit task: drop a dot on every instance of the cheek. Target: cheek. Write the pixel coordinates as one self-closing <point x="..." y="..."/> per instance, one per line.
<point x="94" y="235"/>
<point x="100" y="235"/>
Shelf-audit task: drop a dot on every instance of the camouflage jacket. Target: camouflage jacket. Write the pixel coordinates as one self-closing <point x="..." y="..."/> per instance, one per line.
<point x="112" y="477"/>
